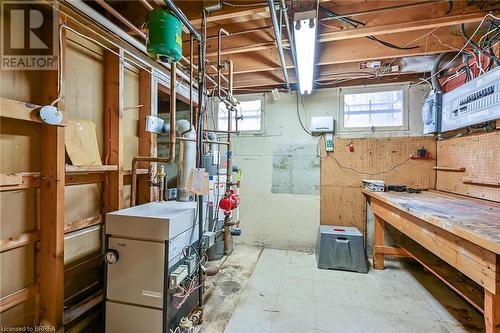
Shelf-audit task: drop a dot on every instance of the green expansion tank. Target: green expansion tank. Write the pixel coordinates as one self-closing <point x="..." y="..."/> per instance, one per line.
<point x="164" y="36"/>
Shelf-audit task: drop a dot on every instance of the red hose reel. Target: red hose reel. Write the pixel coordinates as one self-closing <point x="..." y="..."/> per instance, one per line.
<point x="229" y="202"/>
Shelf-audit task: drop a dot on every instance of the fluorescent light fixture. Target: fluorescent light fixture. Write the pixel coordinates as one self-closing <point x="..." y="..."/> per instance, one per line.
<point x="305" y="44"/>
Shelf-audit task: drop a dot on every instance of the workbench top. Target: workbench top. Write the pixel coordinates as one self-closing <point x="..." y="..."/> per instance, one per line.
<point x="476" y="220"/>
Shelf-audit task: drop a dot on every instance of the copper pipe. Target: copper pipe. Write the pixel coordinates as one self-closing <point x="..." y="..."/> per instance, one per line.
<point x="171" y="148"/>
<point x="224" y="143"/>
<point x="120" y="17"/>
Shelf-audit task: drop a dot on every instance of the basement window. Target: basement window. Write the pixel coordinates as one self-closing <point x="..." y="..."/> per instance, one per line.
<point x="383" y="108"/>
<point x="250" y="112"/>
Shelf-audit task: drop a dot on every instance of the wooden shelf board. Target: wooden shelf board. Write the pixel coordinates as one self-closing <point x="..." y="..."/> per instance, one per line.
<point x="19" y="181"/>
<point x="90" y="168"/>
<point x="18" y="297"/>
<point x="19" y="240"/>
<point x="83" y="223"/>
<point x="139" y="172"/>
<point x="482" y="182"/>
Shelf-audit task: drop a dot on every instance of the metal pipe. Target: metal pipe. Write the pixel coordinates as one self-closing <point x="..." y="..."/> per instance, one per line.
<point x="146" y="4"/>
<point x="221" y="131"/>
<point x="191" y="48"/>
<point x="279" y="45"/>
<point x="199" y="145"/>
<point x="290" y="38"/>
<point x="219" y="62"/>
<point x="180" y="15"/>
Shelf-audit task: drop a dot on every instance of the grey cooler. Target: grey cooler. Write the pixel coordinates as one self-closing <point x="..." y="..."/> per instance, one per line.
<point x="341" y="248"/>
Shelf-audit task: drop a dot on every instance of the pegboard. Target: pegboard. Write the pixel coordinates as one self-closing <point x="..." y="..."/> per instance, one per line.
<point x="342" y="202"/>
<point x="480" y="156"/>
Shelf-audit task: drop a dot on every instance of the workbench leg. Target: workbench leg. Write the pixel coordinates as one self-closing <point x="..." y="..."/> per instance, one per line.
<point x="491" y="312"/>
<point x="378" y="257"/>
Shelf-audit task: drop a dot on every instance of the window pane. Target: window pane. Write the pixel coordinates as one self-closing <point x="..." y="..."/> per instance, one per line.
<point x="373" y="109"/>
<point x="251" y="112"/>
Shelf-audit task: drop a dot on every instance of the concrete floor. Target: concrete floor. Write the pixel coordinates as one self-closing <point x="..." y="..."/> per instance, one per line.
<point x="266" y="290"/>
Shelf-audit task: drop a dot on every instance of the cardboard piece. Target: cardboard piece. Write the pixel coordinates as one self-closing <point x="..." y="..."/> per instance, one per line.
<point x="198" y="182"/>
<point x="81" y="142"/>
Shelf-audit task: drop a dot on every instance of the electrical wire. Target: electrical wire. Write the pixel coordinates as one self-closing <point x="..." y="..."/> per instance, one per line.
<point x="304" y="127"/>
<point x="368" y="173"/>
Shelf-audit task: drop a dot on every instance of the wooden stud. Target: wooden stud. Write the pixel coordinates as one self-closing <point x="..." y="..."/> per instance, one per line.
<point x="52" y="178"/>
<point x="147" y="140"/>
<point x="378" y="257"/>
<point x="113" y="110"/>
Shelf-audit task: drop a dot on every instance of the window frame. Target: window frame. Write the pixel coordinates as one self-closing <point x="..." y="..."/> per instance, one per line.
<point x="373" y="89"/>
<point x="248" y="98"/>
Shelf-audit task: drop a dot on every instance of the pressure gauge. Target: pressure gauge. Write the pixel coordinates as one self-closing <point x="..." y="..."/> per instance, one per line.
<point x="112" y="256"/>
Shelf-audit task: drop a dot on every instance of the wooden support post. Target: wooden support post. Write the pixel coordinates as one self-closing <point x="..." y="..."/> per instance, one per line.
<point x="147" y="140"/>
<point x="378" y="256"/>
<point x="51" y="201"/>
<point x="492" y="304"/>
<point x="113" y="111"/>
<point x="491" y="312"/>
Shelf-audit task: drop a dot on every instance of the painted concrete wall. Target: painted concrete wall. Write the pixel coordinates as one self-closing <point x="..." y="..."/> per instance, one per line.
<point x="280" y="182"/>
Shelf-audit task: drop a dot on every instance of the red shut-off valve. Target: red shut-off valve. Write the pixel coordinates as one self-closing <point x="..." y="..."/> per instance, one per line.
<point x="229" y="202"/>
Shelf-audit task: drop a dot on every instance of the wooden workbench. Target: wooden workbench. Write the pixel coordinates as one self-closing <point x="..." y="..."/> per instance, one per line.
<point x="462" y="231"/>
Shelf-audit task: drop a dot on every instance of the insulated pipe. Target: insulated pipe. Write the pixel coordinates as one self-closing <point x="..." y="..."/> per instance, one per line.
<point x="171" y="148"/>
<point x="277" y="34"/>
<point x="187" y="156"/>
<point x="180" y="15"/>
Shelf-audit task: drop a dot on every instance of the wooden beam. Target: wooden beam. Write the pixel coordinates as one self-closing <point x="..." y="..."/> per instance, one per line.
<point x="391" y="251"/>
<point x="113" y="111"/>
<point x="226" y="14"/>
<point x="22" y="111"/>
<point x="18" y="297"/>
<point x="83" y="223"/>
<point x="395" y="28"/>
<point x="147" y="140"/>
<point x="16" y="241"/>
<point x="19" y="181"/>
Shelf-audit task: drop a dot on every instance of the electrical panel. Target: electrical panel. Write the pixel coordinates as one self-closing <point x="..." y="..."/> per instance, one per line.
<point x="431" y="113"/>
<point x="474" y="102"/>
<point x="324" y="124"/>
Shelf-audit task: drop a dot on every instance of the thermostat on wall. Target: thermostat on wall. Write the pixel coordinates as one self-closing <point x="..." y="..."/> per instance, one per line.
<point x="324" y="124"/>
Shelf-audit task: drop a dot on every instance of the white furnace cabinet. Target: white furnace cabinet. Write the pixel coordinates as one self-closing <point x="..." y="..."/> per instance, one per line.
<point x="139" y="239"/>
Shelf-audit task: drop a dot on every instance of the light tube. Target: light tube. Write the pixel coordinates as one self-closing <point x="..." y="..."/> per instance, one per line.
<point x="305" y="44"/>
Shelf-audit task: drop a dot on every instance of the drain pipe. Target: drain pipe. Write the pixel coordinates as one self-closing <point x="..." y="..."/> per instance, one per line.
<point x="279" y="44"/>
